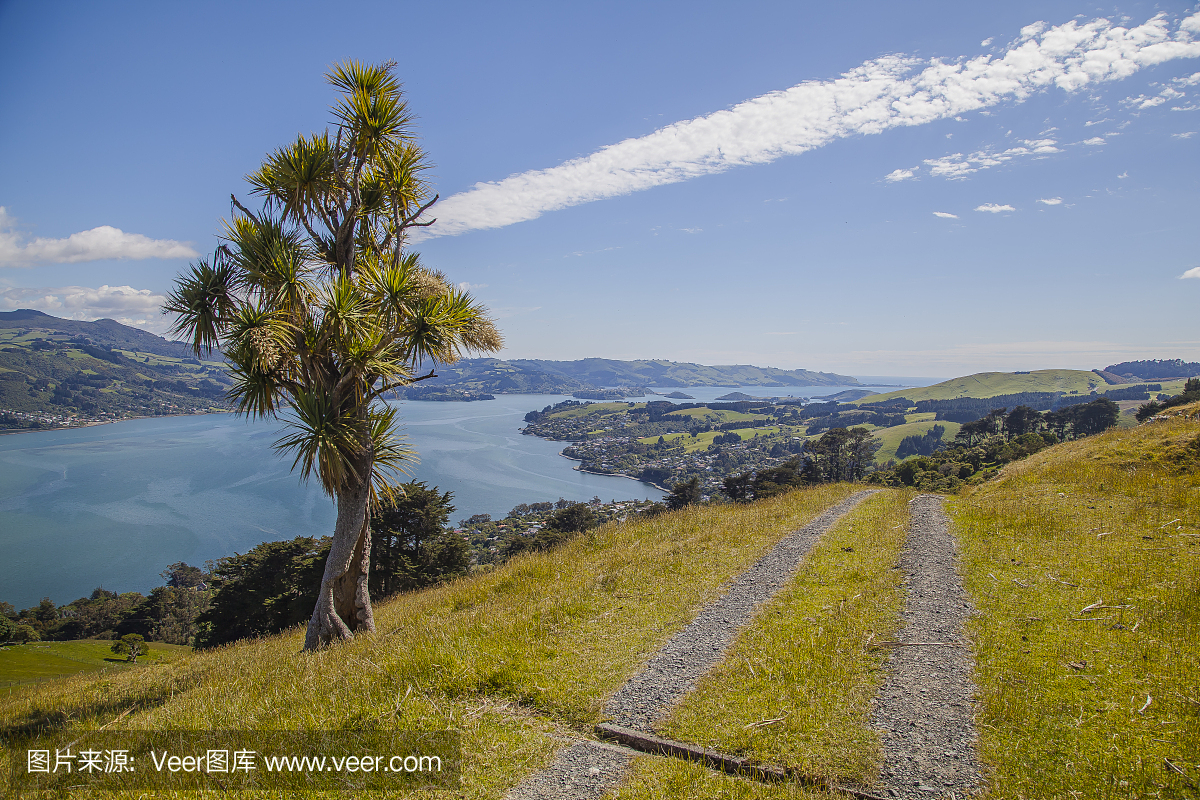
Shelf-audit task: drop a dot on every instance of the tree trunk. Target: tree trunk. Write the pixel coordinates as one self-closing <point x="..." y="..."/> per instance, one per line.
<point x="344" y="603"/>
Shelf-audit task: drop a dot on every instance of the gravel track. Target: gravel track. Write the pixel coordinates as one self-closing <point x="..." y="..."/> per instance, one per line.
<point x="692" y="652"/>
<point x="586" y="769"/>
<point x="583" y="770"/>
<point x="924" y="710"/>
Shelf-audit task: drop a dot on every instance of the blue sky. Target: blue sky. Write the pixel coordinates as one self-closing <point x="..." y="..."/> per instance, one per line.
<point x="870" y="188"/>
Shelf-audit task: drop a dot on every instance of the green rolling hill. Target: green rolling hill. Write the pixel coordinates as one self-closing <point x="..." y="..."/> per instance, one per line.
<point x="990" y="384"/>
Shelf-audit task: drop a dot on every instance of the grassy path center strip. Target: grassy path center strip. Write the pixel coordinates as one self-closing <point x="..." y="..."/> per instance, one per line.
<point x="586" y="769"/>
<point x="692" y="652"/>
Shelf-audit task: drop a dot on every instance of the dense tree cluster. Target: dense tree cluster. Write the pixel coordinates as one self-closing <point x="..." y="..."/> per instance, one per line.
<point x="982" y="446"/>
<point x="842" y="454"/>
<point x="1157" y="369"/>
<point x="267" y="589"/>
<point x="1140" y="392"/>
<point x="413" y="546"/>
<point x="169" y="614"/>
<point x="969" y="409"/>
<point x="921" y="444"/>
<point x="1066" y="423"/>
<point x="684" y="494"/>
<point x="1190" y="394"/>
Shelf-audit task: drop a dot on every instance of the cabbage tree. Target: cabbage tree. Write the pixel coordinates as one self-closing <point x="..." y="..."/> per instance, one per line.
<point x="321" y="310"/>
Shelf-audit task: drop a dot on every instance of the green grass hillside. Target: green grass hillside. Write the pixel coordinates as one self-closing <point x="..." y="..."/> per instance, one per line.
<point x="1084" y="565"/>
<point x="891" y="437"/>
<point x="507" y="658"/>
<point x="990" y="384"/>
<point x="1083" y="562"/>
<point x="57" y="372"/>
<point x="40" y="661"/>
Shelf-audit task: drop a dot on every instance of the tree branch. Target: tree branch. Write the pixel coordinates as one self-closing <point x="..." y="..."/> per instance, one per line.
<point x="409" y="220"/>
<point x="244" y="210"/>
<point x="388" y="387"/>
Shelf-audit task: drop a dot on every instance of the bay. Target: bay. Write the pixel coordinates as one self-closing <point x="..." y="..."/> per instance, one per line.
<point x="114" y="504"/>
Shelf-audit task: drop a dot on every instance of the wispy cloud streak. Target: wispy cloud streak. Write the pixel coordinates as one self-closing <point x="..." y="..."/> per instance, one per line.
<point x="884" y="93"/>
<point x="958" y="166"/>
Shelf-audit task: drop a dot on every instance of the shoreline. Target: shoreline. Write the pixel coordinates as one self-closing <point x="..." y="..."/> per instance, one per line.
<point x="594" y="472"/>
<point x="11" y="431"/>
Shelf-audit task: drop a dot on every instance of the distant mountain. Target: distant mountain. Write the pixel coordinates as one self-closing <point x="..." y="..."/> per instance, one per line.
<point x="56" y="372"/>
<point x="535" y="376"/>
<point x="607" y="372"/>
<point x="103" y="332"/>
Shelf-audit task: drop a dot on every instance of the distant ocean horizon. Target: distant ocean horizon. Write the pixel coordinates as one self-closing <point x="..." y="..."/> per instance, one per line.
<point x="112" y="505"/>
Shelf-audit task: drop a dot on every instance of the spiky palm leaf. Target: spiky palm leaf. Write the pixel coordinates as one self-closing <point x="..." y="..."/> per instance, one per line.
<point x="393" y="455"/>
<point x="203" y="303"/>
<point x="325" y="439"/>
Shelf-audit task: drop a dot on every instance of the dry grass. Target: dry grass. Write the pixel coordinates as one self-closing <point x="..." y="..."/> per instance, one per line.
<point x="1111" y="520"/>
<point x="531" y="648"/>
<point x="671" y="779"/>
<point x="796" y="686"/>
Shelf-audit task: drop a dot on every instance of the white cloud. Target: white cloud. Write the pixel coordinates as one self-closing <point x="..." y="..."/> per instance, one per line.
<point x="1092" y="122"/>
<point x="986" y="42"/>
<point x="945" y="215"/>
<point x="1187" y="135"/>
<point x="881" y="94"/>
<point x="994" y="208"/>
<point x="1190" y="80"/>
<point x="958" y="166"/>
<point x="104" y="242"/>
<point x="140" y="308"/>
<point x="900" y="174"/>
<point x="1094" y="140"/>
<point x="1194" y="272"/>
<point x="1124" y="175"/>
<point x="1141" y="101"/>
<point x="464" y="286"/>
<point x="1051" y="201"/>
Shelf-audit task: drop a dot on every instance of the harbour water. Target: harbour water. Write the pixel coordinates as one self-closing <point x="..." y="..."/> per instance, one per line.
<point x="113" y="505"/>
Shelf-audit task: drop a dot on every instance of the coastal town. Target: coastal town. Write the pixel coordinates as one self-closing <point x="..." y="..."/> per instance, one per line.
<point x="664" y="444"/>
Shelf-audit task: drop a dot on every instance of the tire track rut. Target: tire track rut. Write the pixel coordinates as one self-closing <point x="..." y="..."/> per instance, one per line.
<point x="587" y="769"/>
<point x="925" y="711"/>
